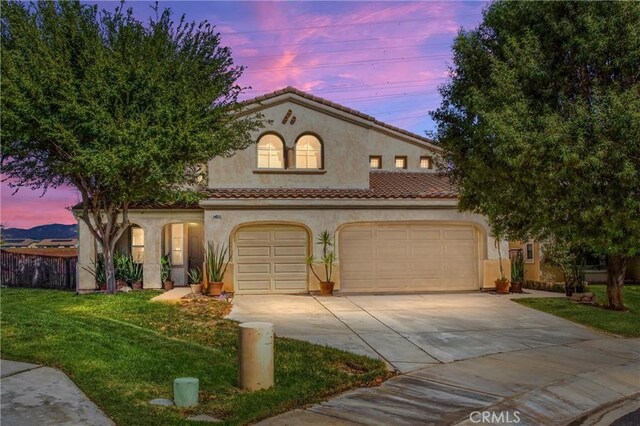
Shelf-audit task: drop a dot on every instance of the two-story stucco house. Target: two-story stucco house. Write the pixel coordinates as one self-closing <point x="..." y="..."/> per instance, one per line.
<point x="319" y="166"/>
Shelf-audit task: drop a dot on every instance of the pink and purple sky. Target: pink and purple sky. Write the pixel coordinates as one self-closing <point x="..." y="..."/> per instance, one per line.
<point x="385" y="59"/>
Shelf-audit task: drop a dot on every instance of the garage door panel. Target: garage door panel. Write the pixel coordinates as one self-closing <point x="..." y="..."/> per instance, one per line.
<point x="254" y="268"/>
<point x="254" y="252"/>
<point x="253" y="236"/>
<point x="425" y="234"/>
<point x="280" y="268"/>
<point x="388" y="257"/>
<point x="271" y="259"/>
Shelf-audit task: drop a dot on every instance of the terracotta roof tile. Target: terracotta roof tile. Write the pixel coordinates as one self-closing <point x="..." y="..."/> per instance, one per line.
<point x="290" y="89"/>
<point x="382" y="185"/>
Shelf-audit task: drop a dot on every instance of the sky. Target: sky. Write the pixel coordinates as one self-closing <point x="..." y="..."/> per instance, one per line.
<point x="385" y="59"/>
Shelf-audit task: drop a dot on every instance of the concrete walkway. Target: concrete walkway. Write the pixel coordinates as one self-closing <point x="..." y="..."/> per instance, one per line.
<point x="553" y="385"/>
<point x="35" y="395"/>
<point x="411" y="332"/>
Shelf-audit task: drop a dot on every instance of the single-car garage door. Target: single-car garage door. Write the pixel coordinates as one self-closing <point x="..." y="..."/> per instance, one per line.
<point x="271" y="259"/>
<point x="388" y="257"/>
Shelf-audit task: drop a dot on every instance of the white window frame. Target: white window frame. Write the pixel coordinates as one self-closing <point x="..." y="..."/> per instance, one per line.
<point x="270" y="151"/>
<point x="306" y="154"/>
<point x="137" y="246"/>
<point x="177" y="243"/>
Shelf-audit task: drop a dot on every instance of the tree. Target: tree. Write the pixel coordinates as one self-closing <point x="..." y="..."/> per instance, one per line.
<point x="540" y="125"/>
<point x="120" y="110"/>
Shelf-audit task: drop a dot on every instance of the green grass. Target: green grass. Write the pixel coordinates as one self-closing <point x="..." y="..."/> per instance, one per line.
<point x="622" y="323"/>
<point x="123" y="351"/>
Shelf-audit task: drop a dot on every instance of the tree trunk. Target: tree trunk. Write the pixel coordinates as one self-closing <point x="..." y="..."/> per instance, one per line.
<point x="109" y="268"/>
<point x="616" y="269"/>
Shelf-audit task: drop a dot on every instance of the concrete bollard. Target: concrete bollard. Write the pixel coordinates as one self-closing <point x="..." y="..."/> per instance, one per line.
<point x="185" y="391"/>
<point x="255" y="355"/>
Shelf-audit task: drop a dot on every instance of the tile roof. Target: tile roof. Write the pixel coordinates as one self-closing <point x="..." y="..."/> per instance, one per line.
<point x="382" y="185"/>
<point x="290" y="89"/>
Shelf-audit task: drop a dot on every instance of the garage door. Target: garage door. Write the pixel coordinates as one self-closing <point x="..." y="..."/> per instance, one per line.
<point x="387" y="257"/>
<point x="270" y="259"/>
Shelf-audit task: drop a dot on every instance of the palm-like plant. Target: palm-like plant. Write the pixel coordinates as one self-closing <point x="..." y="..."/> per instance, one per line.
<point x="215" y="261"/>
<point x="327" y="240"/>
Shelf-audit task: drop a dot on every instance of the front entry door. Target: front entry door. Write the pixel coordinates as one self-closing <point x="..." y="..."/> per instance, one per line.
<point x="196" y="245"/>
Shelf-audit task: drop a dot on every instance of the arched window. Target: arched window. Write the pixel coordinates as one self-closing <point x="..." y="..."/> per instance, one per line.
<point x="270" y="152"/>
<point x="308" y="153"/>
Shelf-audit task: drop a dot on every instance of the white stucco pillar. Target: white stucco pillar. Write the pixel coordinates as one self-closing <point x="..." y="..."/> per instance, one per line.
<point x="86" y="282"/>
<point x="151" y="265"/>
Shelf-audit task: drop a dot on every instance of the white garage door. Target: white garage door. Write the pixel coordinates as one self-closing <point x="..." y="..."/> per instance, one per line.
<point x="387" y="257"/>
<point x="270" y="259"/>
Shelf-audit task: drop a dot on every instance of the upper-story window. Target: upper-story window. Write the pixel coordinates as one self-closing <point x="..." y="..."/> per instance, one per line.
<point x="270" y="152"/>
<point x="401" y="162"/>
<point x="308" y="152"/>
<point x="375" y="161"/>
<point x="425" y="163"/>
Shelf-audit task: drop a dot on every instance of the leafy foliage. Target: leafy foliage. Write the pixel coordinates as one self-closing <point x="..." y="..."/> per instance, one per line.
<point x="540" y="122"/>
<point x="517" y="267"/>
<point x="121" y="110"/>
<point x="195" y="276"/>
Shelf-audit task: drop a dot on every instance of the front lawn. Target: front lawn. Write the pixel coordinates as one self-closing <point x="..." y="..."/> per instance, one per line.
<point x="622" y="323"/>
<point x="123" y="351"/>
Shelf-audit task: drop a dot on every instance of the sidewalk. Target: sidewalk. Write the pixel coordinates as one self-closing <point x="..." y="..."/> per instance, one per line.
<point x="552" y="385"/>
<point x="35" y="395"/>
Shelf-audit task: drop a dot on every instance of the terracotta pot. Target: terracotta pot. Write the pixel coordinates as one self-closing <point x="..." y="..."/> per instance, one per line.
<point x="196" y="288"/>
<point x="168" y="285"/>
<point x="516" y="287"/>
<point x="502" y="286"/>
<point x="137" y="285"/>
<point x="102" y="286"/>
<point x="120" y="284"/>
<point x="214" y="288"/>
<point x="326" y="288"/>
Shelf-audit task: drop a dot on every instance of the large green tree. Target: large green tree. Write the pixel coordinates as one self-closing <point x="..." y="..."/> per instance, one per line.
<point x="122" y="110"/>
<point x="540" y="124"/>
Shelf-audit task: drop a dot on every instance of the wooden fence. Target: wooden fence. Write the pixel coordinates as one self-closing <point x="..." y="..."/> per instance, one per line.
<point x="38" y="271"/>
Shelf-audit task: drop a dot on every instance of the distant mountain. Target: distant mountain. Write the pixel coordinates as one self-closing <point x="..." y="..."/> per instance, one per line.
<point x="41" y="232"/>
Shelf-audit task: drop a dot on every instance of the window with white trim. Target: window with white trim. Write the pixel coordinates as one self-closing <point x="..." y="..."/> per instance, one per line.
<point x="308" y="152"/>
<point x="177" y="244"/>
<point x="137" y="244"/>
<point x="270" y="152"/>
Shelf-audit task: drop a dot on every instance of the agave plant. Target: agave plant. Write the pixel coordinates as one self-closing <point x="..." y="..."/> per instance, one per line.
<point x="121" y="265"/>
<point x="134" y="271"/>
<point x="97" y="270"/>
<point x="195" y="275"/>
<point x="215" y="261"/>
<point x="517" y="267"/>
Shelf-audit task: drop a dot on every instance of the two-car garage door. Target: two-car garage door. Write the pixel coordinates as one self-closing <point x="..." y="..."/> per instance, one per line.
<point x="373" y="257"/>
<point x="387" y="257"/>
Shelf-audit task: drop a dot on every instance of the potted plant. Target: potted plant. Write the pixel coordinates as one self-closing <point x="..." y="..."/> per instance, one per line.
<point x="165" y="272"/>
<point x="195" y="280"/>
<point x="216" y="267"/>
<point x="517" y="272"/>
<point x="98" y="272"/>
<point x="121" y="267"/>
<point x="326" y="240"/>
<point x="134" y="274"/>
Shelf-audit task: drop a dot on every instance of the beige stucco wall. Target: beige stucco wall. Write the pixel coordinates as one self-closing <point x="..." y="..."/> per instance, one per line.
<point x="347" y="143"/>
<point x="152" y="221"/>
<point x="531" y="268"/>
<point x="222" y="224"/>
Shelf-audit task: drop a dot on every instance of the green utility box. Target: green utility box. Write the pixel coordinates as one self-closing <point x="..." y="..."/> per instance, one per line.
<point x="185" y="391"/>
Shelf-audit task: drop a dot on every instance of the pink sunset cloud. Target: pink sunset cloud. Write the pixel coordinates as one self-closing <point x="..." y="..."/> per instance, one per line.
<point x="385" y="59"/>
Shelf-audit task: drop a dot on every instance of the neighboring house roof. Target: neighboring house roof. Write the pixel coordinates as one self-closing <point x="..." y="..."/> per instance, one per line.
<point x="18" y="242"/>
<point x="382" y="185"/>
<point x="58" y="242"/>
<point x="334" y="105"/>
<point x="50" y="252"/>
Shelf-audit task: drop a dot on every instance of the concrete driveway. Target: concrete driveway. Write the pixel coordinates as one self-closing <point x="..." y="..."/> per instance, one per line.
<point x="411" y="332"/>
